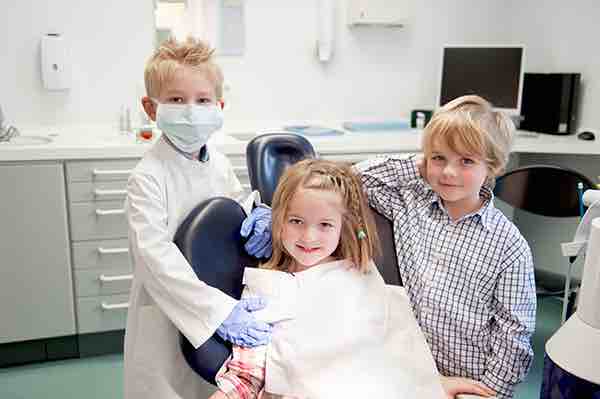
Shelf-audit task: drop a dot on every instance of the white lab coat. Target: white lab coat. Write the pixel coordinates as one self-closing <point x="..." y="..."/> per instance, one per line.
<point x="342" y="334"/>
<point x="166" y="296"/>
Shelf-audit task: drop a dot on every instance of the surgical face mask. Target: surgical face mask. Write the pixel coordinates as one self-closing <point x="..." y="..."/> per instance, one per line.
<point x="188" y="126"/>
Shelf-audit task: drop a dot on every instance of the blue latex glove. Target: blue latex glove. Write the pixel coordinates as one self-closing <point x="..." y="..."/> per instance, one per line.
<point x="241" y="328"/>
<point x="258" y="227"/>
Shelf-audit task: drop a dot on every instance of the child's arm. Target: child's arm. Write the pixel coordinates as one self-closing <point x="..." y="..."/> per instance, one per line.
<point x="193" y="306"/>
<point x="513" y="310"/>
<point x="382" y="179"/>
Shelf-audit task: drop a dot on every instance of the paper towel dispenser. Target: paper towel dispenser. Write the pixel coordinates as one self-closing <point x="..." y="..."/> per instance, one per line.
<point x="55" y="63"/>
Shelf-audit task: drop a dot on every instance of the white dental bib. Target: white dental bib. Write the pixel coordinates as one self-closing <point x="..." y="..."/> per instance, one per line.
<point x="340" y="333"/>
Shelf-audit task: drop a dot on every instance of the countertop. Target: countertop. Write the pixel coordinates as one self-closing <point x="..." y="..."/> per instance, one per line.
<point x="105" y="142"/>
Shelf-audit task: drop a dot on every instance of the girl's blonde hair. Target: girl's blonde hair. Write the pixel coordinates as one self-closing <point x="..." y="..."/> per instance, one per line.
<point x="172" y="55"/>
<point x="358" y="239"/>
<point x="469" y="125"/>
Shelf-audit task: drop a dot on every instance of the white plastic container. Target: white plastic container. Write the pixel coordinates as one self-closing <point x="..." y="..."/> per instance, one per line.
<point x="55" y="63"/>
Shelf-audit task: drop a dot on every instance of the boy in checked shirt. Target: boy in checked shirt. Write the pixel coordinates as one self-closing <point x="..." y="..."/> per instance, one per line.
<point x="467" y="269"/>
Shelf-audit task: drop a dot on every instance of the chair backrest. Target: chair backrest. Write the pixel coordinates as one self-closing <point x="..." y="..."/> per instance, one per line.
<point x="545" y="190"/>
<point x="268" y="155"/>
<point x="210" y="240"/>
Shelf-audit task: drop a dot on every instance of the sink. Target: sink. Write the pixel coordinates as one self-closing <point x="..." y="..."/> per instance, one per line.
<point x="27" y="140"/>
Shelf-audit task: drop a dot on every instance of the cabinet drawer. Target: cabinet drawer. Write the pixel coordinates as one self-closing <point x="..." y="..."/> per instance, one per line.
<point x="94" y="282"/>
<point x="104" y="313"/>
<point x="101" y="254"/>
<point x="97" y="191"/>
<point x="100" y="170"/>
<point x="98" y="220"/>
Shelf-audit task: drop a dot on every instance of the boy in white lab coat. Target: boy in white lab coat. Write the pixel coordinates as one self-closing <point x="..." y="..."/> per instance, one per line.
<point x="184" y="93"/>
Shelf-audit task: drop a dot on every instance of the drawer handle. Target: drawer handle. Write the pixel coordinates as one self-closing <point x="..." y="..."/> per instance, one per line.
<point x="106" y="212"/>
<point x="114" y="306"/>
<point x="111" y="279"/>
<point x="100" y="193"/>
<point x="111" y="251"/>
<point x="100" y="172"/>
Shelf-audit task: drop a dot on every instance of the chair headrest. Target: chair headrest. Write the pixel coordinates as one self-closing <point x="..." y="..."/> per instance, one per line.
<point x="268" y="155"/>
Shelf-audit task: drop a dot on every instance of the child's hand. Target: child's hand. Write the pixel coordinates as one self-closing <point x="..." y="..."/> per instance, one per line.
<point x="257" y="226"/>
<point x="457" y="385"/>
<point x="241" y="328"/>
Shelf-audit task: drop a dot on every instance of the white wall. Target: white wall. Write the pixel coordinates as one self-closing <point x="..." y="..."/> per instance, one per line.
<point x="563" y="37"/>
<point x="109" y="41"/>
<point x="375" y="73"/>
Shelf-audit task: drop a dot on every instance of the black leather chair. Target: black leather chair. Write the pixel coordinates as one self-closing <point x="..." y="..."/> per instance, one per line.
<point x="268" y="155"/>
<point x="545" y="190"/>
<point x="210" y="240"/>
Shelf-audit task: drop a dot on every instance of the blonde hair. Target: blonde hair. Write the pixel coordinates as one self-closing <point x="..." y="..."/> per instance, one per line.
<point x="469" y="125"/>
<point x="173" y="55"/>
<point x="337" y="177"/>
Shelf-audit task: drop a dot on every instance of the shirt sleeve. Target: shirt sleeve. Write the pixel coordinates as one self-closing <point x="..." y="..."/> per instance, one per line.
<point x="382" y="179"/>
<point x="194" y="307"/>
<point x="514" y="309"/>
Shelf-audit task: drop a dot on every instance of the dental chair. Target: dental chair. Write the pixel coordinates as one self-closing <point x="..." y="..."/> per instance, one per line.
<point x="210" y="239"/>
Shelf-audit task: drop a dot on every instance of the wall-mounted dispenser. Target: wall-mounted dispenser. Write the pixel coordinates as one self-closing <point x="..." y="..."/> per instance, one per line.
<point x="55" y="63"/>
<point x="388" y="13"/>
<point x="325" y="28"/>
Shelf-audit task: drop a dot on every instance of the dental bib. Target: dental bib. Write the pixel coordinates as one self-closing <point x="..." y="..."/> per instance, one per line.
<point x="341" y="333"/>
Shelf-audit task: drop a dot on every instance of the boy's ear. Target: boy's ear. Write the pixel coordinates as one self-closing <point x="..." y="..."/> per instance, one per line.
<point x="221" y="103"/>
<point x="149" y="107"/>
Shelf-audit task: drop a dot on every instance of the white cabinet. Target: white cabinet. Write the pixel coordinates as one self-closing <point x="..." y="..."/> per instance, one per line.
<point x="35" y="276"/>
<point x="101" y="263"/>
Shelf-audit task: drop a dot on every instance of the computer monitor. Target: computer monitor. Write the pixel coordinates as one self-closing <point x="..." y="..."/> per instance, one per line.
<point x="492" y="72"/>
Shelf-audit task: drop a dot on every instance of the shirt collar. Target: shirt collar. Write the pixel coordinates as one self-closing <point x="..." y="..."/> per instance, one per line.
<point x="482" y="214"/>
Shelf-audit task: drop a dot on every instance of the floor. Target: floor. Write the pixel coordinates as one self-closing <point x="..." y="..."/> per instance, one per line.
<point x="102" y="377"/>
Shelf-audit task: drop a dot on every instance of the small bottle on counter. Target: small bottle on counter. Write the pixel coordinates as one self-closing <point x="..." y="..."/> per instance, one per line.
<point x="145" y="133"/>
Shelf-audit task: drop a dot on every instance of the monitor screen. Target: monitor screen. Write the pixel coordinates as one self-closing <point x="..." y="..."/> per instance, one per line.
<point x="494" y="73"/>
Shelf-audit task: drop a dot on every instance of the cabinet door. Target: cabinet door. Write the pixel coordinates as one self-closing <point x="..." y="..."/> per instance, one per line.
<point x="35" y="274"/>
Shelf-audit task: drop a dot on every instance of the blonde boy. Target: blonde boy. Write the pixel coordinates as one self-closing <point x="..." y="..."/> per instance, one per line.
<point x="467" y="269"/>
<point x="184" y="88"/>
